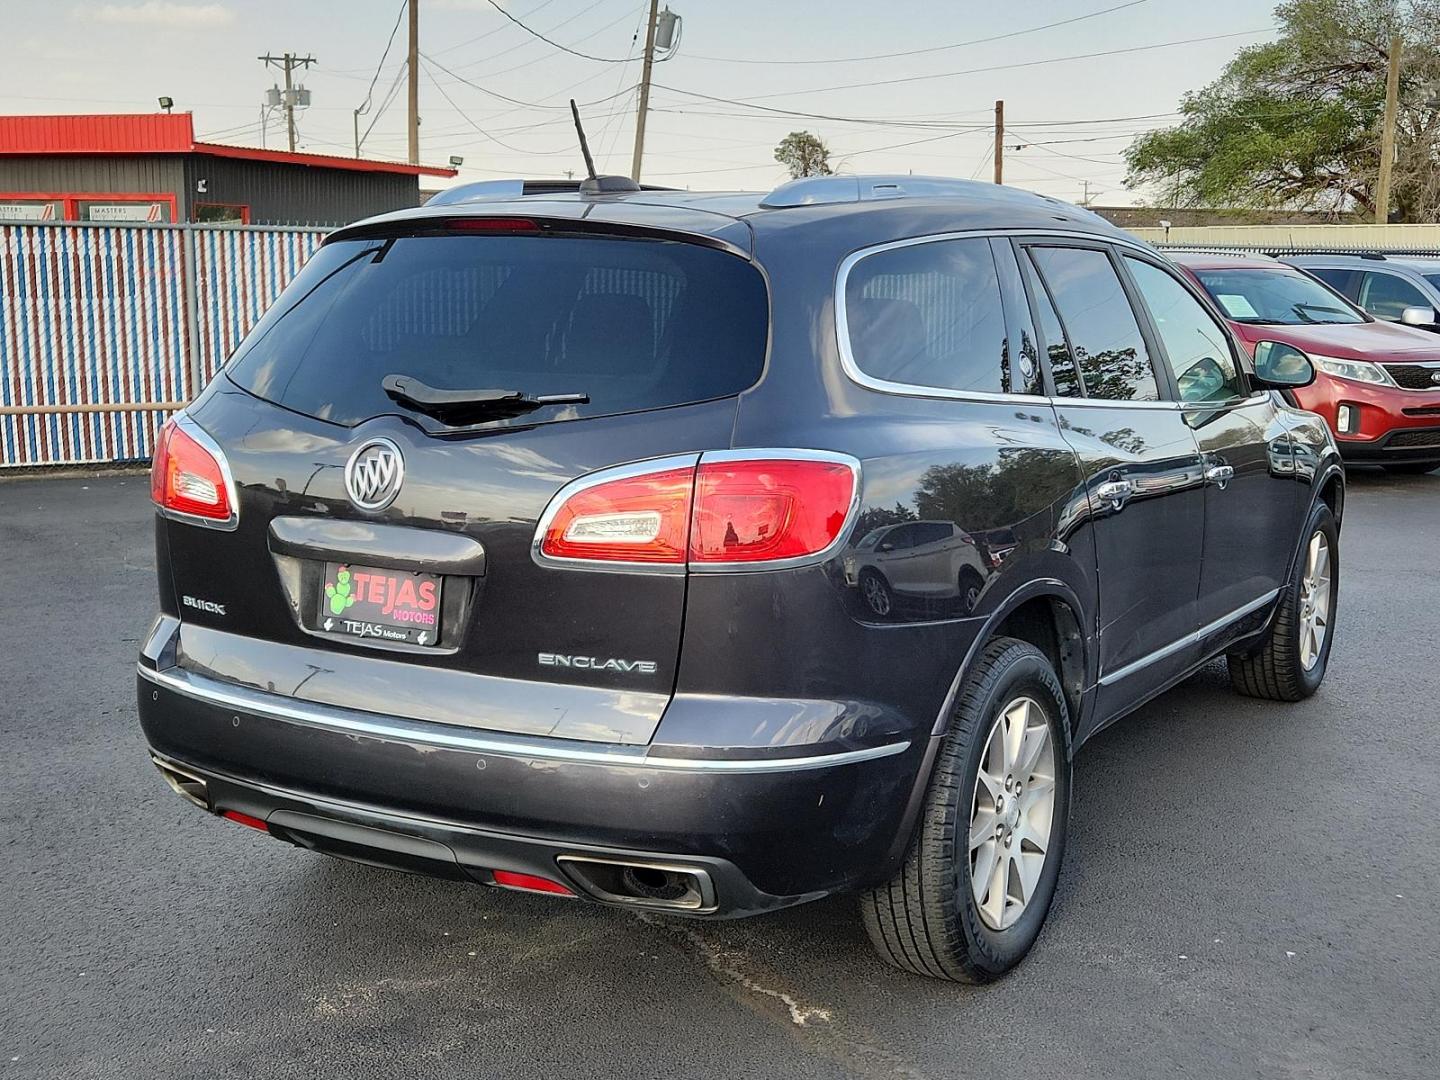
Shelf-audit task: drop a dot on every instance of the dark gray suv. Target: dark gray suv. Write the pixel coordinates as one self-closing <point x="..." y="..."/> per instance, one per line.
<point x="522" y="542"/>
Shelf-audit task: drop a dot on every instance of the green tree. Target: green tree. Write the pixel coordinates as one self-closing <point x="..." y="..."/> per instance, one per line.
<point x="804" y="154"/>
<point x="1295" y="123"/>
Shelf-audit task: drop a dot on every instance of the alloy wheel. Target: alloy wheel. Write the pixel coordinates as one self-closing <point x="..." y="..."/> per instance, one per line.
<point x="1315" y="598"/>
<point x="1012" y="812"/>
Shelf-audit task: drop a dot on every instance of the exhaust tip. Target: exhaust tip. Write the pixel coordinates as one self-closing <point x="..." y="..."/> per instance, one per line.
<point x="186" y="784"/>
<point x="640" y="883"/>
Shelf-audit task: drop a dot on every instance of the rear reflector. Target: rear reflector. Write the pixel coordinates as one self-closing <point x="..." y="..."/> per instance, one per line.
<point x="186" y="478"/>
<point x="245" y="819"/>
<point x="726" y="510"/>
<point x="530" y="883"/>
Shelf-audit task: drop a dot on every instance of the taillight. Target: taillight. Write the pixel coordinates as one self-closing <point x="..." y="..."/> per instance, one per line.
<point x="187" y="478"/>
<point x="729" y="508"/>
<point x="765" y="509"/>
<point x="642" y="519"/>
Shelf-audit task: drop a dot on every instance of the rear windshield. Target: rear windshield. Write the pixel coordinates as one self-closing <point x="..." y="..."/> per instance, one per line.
<point x="633" y="324"/>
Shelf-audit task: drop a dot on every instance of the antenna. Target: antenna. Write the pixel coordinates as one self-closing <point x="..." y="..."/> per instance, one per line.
<point x="584" y="146"/>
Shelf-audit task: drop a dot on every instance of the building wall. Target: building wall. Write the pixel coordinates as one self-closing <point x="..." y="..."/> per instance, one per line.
<point x="97" y="174"/>
<point x="283" y="194"/>
<point x="277" y="194"/>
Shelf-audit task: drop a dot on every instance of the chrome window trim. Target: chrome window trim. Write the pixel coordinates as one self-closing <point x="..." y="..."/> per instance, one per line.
<point x="184" y="423"/>
<point x="1192" y="638"/>
<point x="372" y="725"/>
<point x="853" y="372"/>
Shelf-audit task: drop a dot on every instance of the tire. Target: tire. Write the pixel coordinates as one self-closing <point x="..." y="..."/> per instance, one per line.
<point x="927" y="920"/>
<point x="876" y="592"/>
<point x="1411" y="468"/>
<point x="1283" y="667"/>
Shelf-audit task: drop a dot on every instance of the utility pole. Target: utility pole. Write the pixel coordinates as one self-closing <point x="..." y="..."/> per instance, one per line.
<point x="293" y="95"/>
<point x="644" y="92"/>
<point x="1387" y="134"/>
<point x="413" y="64"/>
<point x="999" y="142"/>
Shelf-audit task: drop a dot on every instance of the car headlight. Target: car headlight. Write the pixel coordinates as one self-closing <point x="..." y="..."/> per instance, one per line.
<point x="1354" y="370"/>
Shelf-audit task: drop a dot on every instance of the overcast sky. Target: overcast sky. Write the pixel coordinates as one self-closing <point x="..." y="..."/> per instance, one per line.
<point x="66" y="57"/>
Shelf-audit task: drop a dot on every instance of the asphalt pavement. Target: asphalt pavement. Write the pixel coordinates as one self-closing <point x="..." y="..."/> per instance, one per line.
<point x="1250" y="889"/>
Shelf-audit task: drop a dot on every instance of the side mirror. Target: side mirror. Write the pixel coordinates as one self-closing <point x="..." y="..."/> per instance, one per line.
<point x="886" y="546"/>
<point x="1418" y="316"/>
<point x="1282" y="367"/>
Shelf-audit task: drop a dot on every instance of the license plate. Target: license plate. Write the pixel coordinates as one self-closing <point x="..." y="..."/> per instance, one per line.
<point x="383" y="605"/>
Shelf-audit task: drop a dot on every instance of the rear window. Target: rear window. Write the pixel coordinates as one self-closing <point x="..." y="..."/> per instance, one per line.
<point x="634" y="324"/>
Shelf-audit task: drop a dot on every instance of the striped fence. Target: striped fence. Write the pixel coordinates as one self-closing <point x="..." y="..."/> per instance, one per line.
<point x="107" y="329"/>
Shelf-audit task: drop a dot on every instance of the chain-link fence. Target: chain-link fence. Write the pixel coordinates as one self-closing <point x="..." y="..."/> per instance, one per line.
<point x="107" y="329"/>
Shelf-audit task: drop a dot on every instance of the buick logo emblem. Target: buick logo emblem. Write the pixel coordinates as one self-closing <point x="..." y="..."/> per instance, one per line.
<point x="374" y="473"/>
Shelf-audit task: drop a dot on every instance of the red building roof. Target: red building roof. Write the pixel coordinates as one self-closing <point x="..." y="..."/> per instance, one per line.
<point x="160" y="133"/>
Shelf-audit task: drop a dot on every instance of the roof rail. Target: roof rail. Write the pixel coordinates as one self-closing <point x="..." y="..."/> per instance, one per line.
<point x="815" y="190"/>
<point x="482" y="190"/>
<point x="1192" y="249"/>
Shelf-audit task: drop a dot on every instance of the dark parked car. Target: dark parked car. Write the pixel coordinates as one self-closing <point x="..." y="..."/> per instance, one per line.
<point x="511" y="546"/>
<point x="1377" y="383"/>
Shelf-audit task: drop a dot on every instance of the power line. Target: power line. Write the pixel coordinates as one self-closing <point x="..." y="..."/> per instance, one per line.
<point x="746" y="102"/>
<point x="517" y="101"/>
<point x="499" y="142"/>
<point x="549" y="41"/>
<point x="383" y="57"/>
<point x="921" y="52"/>
<point x="510" y="51"/>
<point x="491" y="33"/>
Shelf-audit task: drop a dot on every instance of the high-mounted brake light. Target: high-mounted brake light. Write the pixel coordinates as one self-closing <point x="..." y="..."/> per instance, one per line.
<point x="188" y="478"/>
<point x="492" y="225"/>
<point x="724" y="509"/>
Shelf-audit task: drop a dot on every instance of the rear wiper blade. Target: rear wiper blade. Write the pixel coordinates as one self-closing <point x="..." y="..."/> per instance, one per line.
<point x="470" y="406"/>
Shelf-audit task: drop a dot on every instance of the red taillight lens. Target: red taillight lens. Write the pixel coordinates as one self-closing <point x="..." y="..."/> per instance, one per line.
<point x="641" y="519"/>
<point x="762" y="510"/>
<point x="742" y="510"/>
<point x="186" y="478"/>
<point x="530" y="883"/>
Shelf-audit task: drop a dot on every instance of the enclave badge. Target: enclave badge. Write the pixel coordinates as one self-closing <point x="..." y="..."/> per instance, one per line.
<point x="374" y="473"/>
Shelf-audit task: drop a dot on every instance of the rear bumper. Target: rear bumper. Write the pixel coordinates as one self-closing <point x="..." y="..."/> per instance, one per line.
<point x="767" y="832"/>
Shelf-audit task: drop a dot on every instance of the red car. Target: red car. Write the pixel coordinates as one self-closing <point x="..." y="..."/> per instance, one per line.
<point x="1377" y="383"/>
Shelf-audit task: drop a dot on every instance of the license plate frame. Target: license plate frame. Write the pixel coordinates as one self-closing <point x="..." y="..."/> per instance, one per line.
<point x="380" y="605"/>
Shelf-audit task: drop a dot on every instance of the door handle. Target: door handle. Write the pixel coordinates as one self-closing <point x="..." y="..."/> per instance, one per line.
<point x="1115" y="492"/>
<point x="1219" y="475"/>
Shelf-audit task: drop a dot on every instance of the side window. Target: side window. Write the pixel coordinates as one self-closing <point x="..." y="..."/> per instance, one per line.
<point x="1344" y="282"/>
<point x="929" y="315"/>
<point x="898" y="538"/>
<point x="1198" y="350"/>
<point x="1057" y="349"/>
<point x="932" y="532"/>
<point x="1109" y="348"/>
<point x="1385" y="296"/>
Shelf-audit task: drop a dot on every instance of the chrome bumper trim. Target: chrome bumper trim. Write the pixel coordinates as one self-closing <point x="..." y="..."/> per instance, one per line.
<point x="352" y="722"/>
